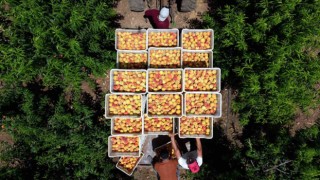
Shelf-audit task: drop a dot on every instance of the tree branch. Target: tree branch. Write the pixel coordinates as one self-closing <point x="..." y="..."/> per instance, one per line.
<point x="276" y="167"/>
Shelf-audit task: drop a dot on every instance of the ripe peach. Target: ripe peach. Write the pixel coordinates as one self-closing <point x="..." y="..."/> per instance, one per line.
<point x="125" y="144"/>
<point x="157" y="124"/>
<point x="200" y="80"/>
<point x="129" y="81"/>
<point x="201" y="104"/>
<point x="133" y="60"/>
<point x="127" y="125"/>
<point x="193" y="59"/>
<point x="162" y="39"/>
<point x="195" y="126"/>
<point x="165" y="81"/>
<point x="196" y="40"/>
<point x="165" y="58"/>
<point x="164" y="104"/>
<point x="124" y="104"/>
<point x="131" y="40"/>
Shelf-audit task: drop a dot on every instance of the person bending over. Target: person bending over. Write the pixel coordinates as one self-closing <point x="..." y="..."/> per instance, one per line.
<point x="191" y="160"/>
<point x="158" y="19"/>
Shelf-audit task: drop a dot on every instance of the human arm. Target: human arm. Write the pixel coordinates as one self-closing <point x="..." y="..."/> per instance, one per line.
<point x="174" y="146"/>
<point x="199" y="147"/>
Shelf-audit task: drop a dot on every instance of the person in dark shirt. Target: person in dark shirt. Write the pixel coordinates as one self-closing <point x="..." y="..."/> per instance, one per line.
<point x="158" y="19"/>
<point x="167" y="168"/>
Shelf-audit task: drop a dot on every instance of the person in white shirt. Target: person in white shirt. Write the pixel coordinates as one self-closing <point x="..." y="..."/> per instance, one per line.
<point x="191" y="160"/>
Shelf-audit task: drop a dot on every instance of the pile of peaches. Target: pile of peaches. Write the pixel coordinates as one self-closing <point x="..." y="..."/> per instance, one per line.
<point x="125" y="105"/>
<point x="194" y="126"/>
<point x="131" y="40"/>
<point x="129" y="81"/>
<point x="125" y="144"/>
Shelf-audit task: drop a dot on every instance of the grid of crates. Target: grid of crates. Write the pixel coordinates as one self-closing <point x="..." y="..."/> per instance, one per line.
<point x="162" y="76"/>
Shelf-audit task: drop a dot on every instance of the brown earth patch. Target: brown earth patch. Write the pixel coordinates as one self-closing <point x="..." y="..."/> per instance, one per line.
<point x="181" y="19"/>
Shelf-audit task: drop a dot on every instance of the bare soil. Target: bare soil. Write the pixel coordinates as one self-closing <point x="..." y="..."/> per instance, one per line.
<point x="181" y="19"/>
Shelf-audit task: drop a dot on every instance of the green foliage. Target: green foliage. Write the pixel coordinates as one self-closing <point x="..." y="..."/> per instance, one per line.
<point x="49" y="43"/>
<point x="264" y="49"/>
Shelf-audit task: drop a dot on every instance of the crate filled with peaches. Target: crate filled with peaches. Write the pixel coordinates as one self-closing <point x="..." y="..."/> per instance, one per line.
<point x="128" y="81"/>
<point x="124" y="146"/>
<point x="195" y="127"/>
<point x="123" y="105"/>
<point x="128" y="164"/>
<point x="158" y="126"/>
<point x="126" y="126"/>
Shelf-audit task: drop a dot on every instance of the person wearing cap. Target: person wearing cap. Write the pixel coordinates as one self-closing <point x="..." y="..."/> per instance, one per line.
<point x="191" y="160"/>
<point x="166" y="168"/>
<point x="158" y="19"/>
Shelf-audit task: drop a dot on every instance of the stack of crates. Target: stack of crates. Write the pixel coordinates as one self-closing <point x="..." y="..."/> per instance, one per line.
<point x="160" y="86"/>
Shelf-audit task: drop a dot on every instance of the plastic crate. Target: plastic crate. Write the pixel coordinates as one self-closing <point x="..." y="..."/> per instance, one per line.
<point x="218" y="113"/>
<point x="198" y="30"/>
<point x="127" y="154"/>
<point x="167" y="116"/>
<point x="210" y="64"/>
<point x="129" y="173"/>
<point x="159" y="132"/>
<point x="218" y="79"/>
<point x="182" y="80"/>
<point x="132" y="31"/>
<point x="114" y="133"/>
<point x="124" y="70"/>
<point x="198" y="136"/>
<point x="171" y="48"/>
<point x="107" y="115"/>
<point x="176" y="31"/>
<point x="135" y="66"/>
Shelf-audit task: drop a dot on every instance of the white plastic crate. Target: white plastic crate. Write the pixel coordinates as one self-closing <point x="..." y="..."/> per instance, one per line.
<point x="119" y="154"/>
<point x="167" y="116"/>
<point x="159" y="132"/>
<point x="197" y="136"/>
<point x="107" y="115"/>
<point x="124" y="70"/>
<point x="114" y="133"/>
<point x="219" y="105"/>
<point x="131" y="52"/>
<point x="158" y="48"/>
<point x="129" y="173"/>
<point x="132" y="31"/>
<point x="198" y="30"/>
<point x="176" y="31"/>
<point x="182" y="80"/>
<point x="198" y="51"/>
<point x="218" y="79"/>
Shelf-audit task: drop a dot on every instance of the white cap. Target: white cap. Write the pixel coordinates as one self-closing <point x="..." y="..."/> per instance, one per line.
<point x="164" y="13"/>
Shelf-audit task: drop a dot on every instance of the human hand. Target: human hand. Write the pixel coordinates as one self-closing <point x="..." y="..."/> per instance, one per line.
<point x="171" y="135"/>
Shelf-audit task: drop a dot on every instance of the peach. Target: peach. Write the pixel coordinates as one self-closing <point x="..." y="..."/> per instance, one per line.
<point x="196" y="40"/>
<point x="165" y="81"/>
<point x="129" y="81"/>
<point x="133" y="60"/>
<point x="201" y="104"/>
<point x="164" y="104"/>
<point x="195" y="126"/>
<point x="131" y="40"/>
<point x="162" y="39"/>
<point x="124" y="104"/>
<point x="165" y="58"/>
<point x="200" y="80"/>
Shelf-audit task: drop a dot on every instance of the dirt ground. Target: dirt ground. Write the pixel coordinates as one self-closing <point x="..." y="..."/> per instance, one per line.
<point x="181" y="19"/>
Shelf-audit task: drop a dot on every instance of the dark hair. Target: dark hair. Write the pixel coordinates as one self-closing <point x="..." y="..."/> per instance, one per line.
<point x="164" y="154"/>
<point x="190" y="160"/>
